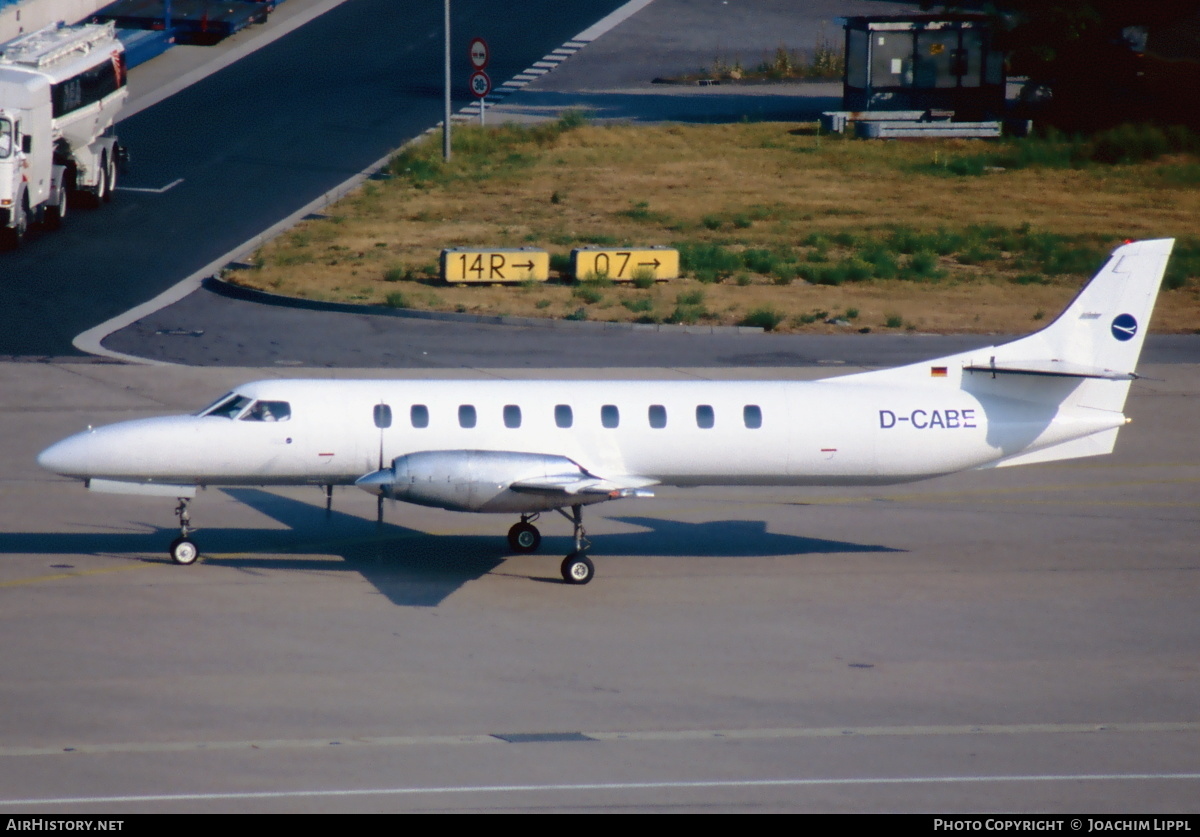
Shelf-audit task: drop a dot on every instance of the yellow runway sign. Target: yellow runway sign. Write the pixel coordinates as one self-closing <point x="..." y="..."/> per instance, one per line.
<point x="502" y="265"/>
<point x="624" y="265"/>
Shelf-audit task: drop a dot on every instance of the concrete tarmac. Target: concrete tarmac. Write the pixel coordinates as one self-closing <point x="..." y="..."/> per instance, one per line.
<point x="1012" y="640"/>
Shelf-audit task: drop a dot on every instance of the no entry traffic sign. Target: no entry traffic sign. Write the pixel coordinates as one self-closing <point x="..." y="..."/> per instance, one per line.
<point x="479" y="53"/>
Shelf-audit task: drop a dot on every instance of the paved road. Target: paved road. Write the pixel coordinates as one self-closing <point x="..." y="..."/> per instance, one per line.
<point x="253" y="143"/>
<point x="209" y="329"/>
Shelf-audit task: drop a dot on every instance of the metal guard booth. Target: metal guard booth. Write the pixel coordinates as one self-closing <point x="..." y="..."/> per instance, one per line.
<point x="902" y="62"/>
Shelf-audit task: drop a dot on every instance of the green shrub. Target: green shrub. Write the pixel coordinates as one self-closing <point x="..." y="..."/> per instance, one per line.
<point x="587" y="293"/>
<point x="922" y="265"/>
<point x="643" y="278"/>
<point x="707" y="262"/>
<point x="687" y="314"/>
<point x="883" y="263"/>
<point x="857" y="270"/>
<point x="760" y="261"/>
<point x="765" y="318"/>
<point x="560" y="263"/>
<point x="784" y="273"/>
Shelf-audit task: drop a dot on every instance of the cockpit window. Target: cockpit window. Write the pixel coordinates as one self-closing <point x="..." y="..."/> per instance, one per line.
<point x="6" y="138"/>
<point x="268" y="411"/>
<point x="227" y="406"/>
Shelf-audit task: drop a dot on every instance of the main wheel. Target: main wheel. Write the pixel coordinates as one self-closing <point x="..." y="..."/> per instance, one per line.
<point x="577" y="569"/>
<point x="524" y="537"/>
<point x="184" y="551"/>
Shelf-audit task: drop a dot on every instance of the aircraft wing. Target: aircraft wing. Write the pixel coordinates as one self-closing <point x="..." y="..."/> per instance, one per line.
<point x="583" y="483"/>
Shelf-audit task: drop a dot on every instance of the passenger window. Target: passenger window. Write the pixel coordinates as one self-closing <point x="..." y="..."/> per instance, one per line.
<point x="610" y="416"/>
<point x="466" y="416"/>
<point x="268" y="411"/>
<point x="512" y="415"/>
<point x="704" y="417"/>
<point x="419" y="415"/>
<point x="752" y="415"/>
<point x="658" y="416"/>
<point x="383" y="416"/>
<point x="562" y="415"/>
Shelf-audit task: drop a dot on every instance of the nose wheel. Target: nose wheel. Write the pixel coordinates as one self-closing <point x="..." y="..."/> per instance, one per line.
<point x="183" y="549"/>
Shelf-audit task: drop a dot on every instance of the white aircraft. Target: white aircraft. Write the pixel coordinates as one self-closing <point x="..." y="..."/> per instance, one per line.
<point x="522" y="447"/>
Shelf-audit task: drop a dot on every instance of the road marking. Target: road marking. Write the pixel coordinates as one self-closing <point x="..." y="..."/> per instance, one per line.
<point x="158" y="191"/>
<point x="80" y="574"/>
<point x="610" y="786"/>
<point x="765" y="734"/>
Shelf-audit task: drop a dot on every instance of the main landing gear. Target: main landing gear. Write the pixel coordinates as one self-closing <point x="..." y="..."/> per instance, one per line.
<point x="577" y="568"/>
<point x="183" y="548"/>
<point x="524" y="537"/>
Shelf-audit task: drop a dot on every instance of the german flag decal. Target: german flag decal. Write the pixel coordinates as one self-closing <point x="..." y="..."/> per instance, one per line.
<point x="937" y="371"/>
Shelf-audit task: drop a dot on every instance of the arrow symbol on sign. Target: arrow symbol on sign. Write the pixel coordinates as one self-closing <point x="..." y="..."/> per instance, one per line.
<point x="654" y="264"/>
<point x="527" y="265"/>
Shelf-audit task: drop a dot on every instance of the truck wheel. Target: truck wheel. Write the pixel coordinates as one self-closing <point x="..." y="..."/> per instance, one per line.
<point x="14" y="235"/>
<point x="102" y="185"/>
<point x="111" y="181"/>
<point x="56" y="213"/>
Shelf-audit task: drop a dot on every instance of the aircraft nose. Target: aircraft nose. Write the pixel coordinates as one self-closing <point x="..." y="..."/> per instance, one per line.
<point x="70" y="457"/>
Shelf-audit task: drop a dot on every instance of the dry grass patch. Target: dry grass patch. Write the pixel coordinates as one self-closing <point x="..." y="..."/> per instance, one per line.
<point x="777" y="225"/>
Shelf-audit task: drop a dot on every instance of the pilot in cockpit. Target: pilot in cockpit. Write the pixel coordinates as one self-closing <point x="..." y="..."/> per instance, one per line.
<point x="261" y="411"/>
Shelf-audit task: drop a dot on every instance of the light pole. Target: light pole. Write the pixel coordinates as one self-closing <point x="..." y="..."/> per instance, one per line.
<point x="446" y="84"/>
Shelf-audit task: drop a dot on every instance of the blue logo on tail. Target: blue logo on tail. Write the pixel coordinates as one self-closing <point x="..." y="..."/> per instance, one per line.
<point x="1124" y="327"/>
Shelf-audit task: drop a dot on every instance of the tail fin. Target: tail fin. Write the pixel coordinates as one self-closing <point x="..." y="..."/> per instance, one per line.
<point x="1060" y="392"/>
<point x="1101" y="332"/>
<point x="1085" y="357"/>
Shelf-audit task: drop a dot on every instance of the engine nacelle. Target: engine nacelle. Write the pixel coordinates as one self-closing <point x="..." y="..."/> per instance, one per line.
<point x="475" y="480"/>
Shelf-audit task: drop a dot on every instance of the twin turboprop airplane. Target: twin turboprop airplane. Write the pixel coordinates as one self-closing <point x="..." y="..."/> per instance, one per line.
<point x="523" y="448"/>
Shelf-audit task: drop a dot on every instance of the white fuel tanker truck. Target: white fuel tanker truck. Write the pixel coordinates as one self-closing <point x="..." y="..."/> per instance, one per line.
<point x="61" y="89"/>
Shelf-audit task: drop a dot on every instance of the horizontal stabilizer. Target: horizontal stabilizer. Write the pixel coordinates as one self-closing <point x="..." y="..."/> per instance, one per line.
<point x="1052" y="368"/>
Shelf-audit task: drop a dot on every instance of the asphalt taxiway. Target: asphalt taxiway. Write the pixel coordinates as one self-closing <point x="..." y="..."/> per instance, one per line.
<point x="1012" y="640"/>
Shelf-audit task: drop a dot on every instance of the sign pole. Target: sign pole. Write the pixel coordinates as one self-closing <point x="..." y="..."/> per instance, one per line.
<point x="446" y="84"/>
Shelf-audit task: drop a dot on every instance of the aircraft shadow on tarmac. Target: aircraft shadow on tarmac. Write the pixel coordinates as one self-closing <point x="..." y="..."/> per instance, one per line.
<point x="410" y="567"/>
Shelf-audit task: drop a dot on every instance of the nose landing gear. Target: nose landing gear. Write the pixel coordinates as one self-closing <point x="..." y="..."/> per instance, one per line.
<point x="183" y="548"/>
